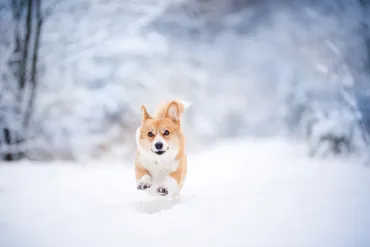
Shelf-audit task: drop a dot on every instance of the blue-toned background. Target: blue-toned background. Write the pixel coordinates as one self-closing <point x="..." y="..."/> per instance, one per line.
<point x="277" y="131"/>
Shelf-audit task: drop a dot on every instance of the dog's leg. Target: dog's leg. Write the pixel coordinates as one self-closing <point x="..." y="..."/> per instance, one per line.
<point x="143" y="179"/>
<point x="174" y="181"/>
<point x="168" y="187"/>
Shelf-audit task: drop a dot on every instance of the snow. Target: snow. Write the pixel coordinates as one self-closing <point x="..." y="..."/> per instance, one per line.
<point x="252" y="192"/>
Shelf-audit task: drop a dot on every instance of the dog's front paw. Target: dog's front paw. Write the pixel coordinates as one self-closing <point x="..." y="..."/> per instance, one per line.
<point x="162" y="191"/>
<point x="144" y="183"/>
<point x="143" y="186"/>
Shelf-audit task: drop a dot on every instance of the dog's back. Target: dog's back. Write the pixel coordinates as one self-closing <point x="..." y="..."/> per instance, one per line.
<point x="161" y="110"/>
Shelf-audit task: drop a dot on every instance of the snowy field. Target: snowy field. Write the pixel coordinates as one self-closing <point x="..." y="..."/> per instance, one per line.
<point x="240" y="193"/>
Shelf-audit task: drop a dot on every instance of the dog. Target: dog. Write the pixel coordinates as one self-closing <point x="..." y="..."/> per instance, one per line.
<point x="161" y="162"/>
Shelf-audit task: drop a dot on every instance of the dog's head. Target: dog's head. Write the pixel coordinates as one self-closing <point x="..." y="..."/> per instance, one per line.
<point x="160" y="137"/>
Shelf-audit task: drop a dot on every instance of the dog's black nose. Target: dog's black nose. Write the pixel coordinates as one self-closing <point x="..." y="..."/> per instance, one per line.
<point x="158" y="145"/>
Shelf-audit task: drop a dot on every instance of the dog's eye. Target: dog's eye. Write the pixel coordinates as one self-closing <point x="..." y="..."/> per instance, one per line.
<point x="150" y="134"/>
<point x="166" y="133"/>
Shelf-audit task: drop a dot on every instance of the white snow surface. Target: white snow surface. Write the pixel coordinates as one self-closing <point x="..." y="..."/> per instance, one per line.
<point x="254" y="192"/>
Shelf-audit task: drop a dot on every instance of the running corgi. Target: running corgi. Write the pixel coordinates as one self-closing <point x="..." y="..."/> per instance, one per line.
<point x="160" y="164"/>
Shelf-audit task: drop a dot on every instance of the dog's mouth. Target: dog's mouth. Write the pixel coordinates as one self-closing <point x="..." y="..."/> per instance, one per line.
<point x="160" y="152"/>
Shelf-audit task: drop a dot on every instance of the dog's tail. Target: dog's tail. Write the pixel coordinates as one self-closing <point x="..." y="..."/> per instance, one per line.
<point x="183" y="105"/>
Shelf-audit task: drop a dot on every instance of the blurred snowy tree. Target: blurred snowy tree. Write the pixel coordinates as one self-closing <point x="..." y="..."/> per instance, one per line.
<point x="21" y="31"/>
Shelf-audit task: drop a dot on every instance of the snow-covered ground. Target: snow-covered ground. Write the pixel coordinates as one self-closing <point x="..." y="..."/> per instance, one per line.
<point x="240" y="193"/>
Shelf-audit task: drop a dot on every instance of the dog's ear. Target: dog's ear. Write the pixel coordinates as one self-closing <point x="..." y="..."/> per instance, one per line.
<point x="144" y="114"/>
<point x="173" y="111"/>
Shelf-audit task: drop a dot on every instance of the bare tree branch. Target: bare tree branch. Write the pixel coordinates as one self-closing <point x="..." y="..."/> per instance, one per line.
<point x="33" y="80"/>
<point x="23" y="69"/>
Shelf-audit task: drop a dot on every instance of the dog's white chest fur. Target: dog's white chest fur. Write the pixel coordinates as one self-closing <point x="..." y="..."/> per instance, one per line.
<point x="158" y="168"/>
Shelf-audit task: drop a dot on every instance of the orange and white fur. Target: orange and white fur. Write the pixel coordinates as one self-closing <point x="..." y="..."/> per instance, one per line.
<point x="160" y="164"/>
